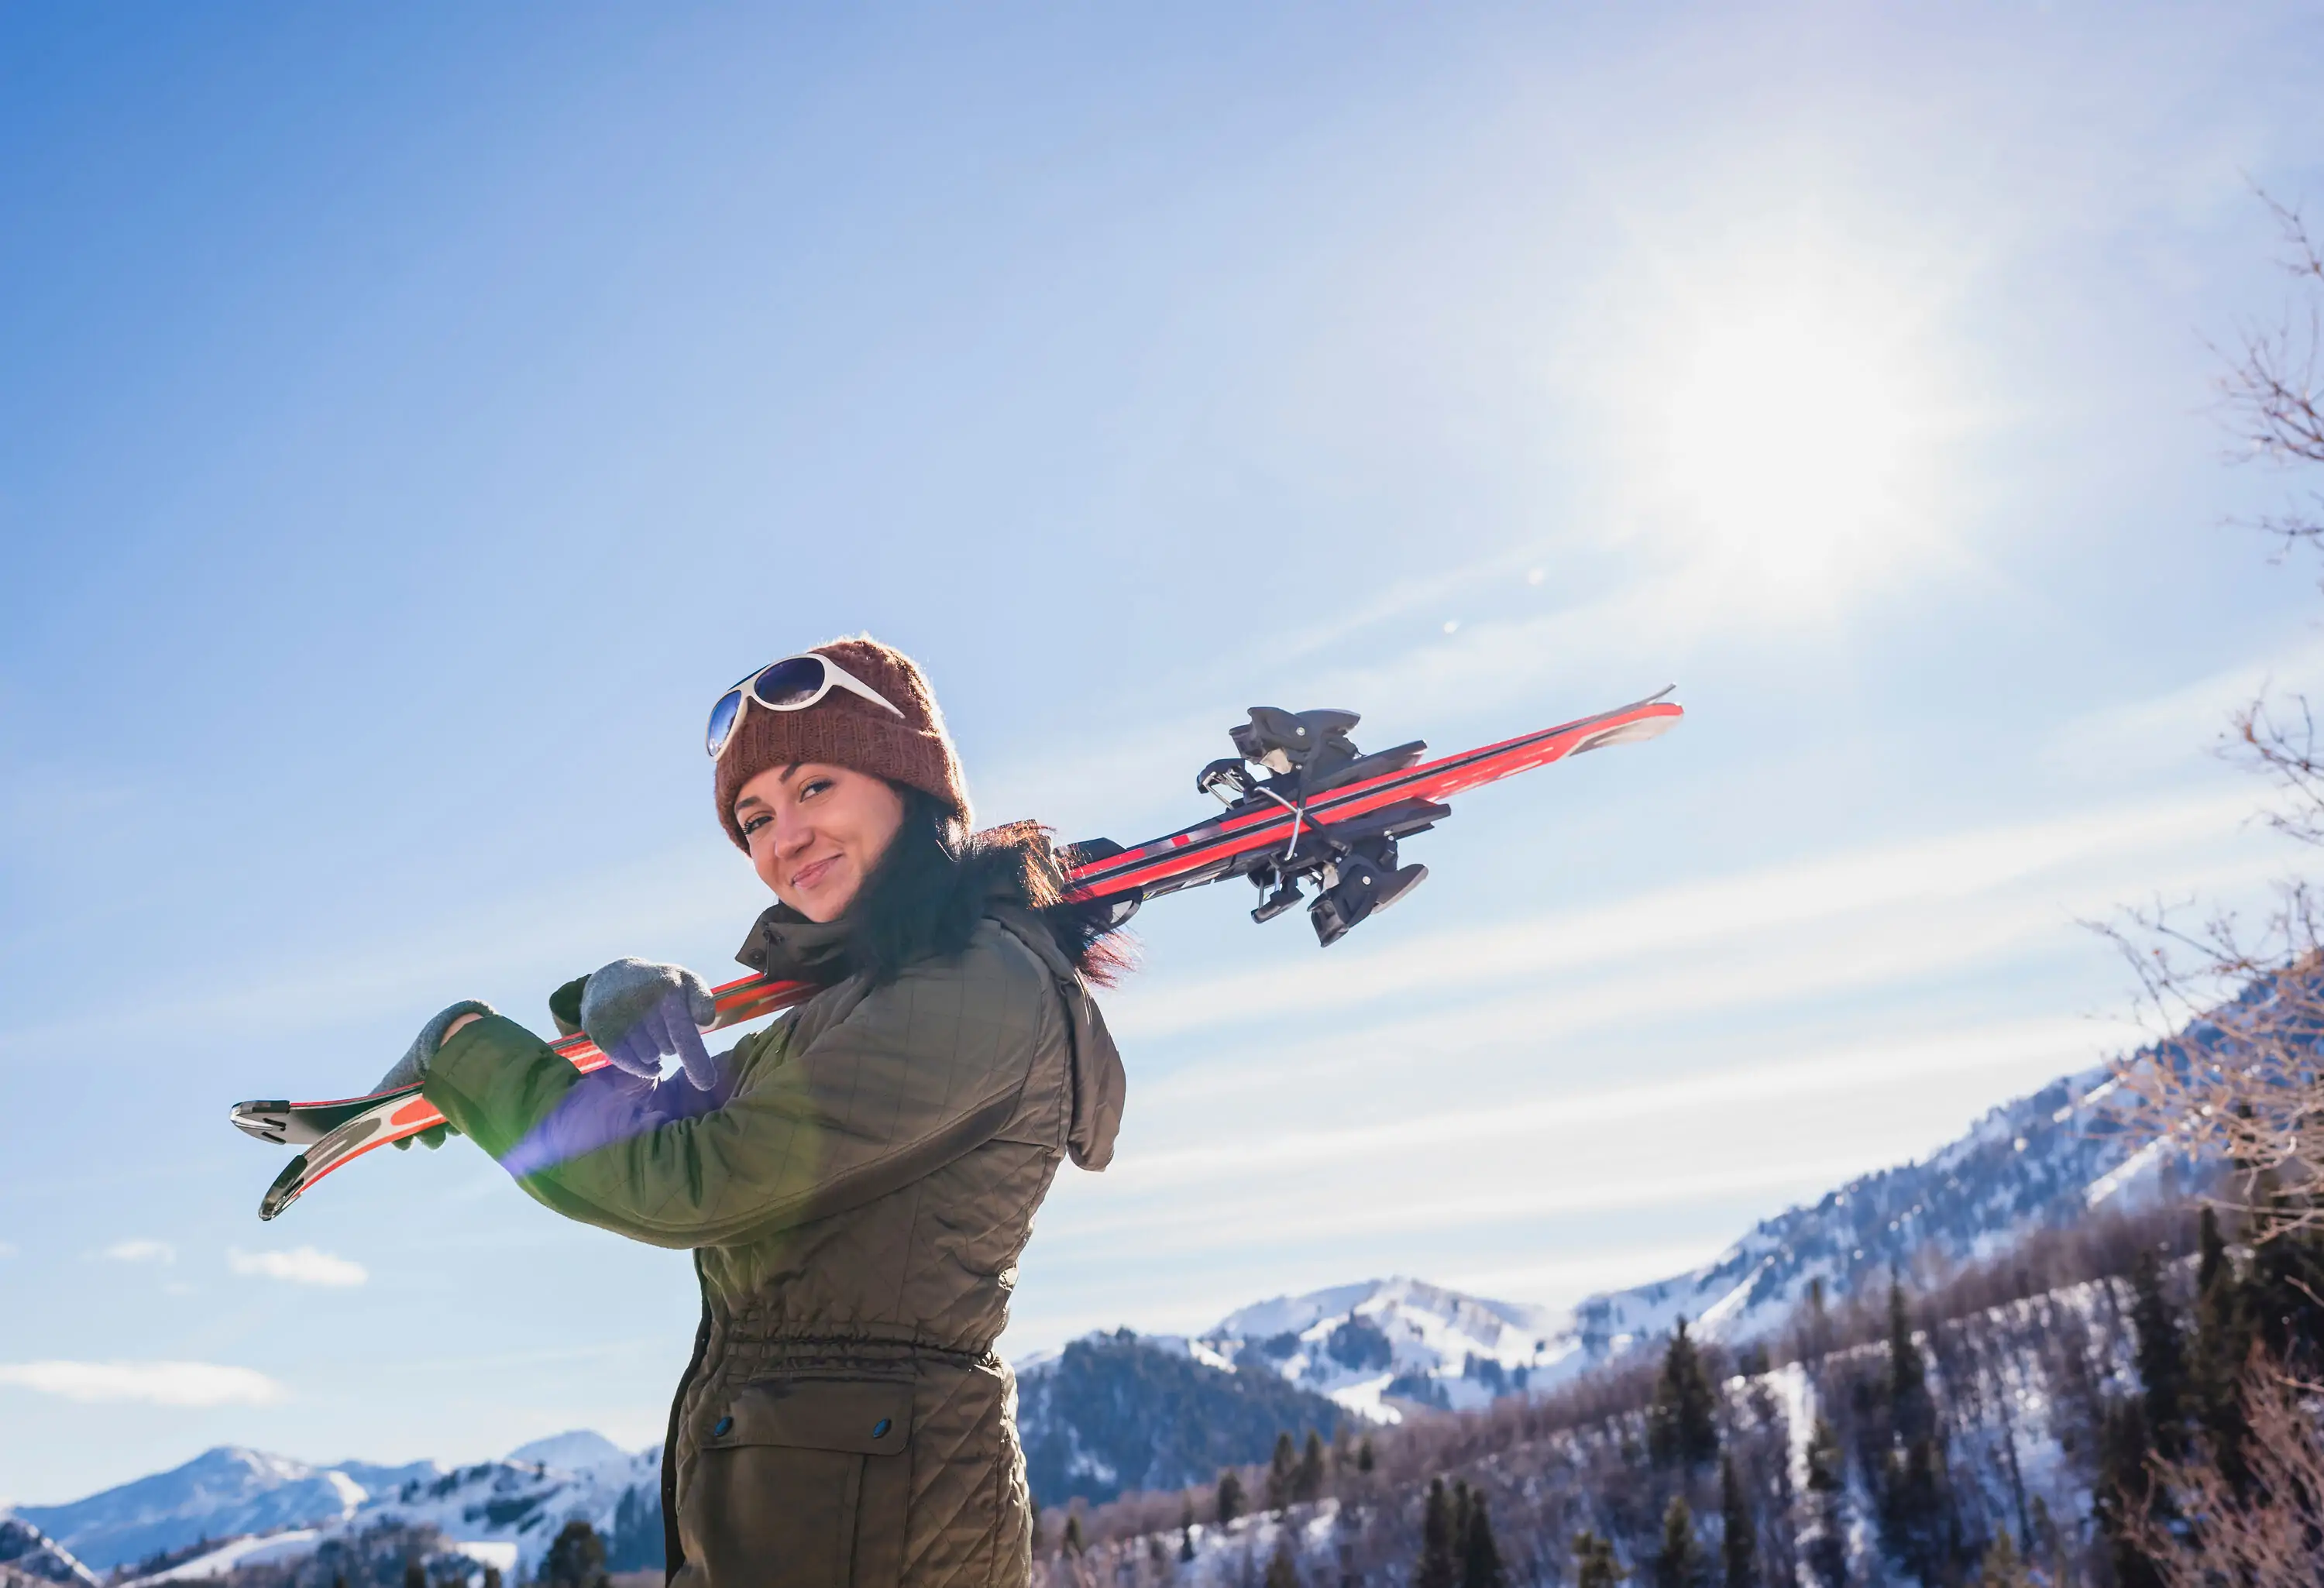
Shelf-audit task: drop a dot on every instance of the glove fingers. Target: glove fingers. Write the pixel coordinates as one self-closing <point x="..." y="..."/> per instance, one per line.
<point x="701" y="1069"/>
<point x="634" y="1054"/>
<point x="701" y="1007"/>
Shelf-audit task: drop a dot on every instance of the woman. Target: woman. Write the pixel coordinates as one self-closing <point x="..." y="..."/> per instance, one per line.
<point x="855" y="1182"/>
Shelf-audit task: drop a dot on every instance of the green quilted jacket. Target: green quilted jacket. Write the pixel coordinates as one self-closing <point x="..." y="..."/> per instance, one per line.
<point x="856" y="1192"/>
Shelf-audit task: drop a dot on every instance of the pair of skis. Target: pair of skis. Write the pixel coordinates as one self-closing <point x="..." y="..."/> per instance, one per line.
<point x="1324" y="815"/>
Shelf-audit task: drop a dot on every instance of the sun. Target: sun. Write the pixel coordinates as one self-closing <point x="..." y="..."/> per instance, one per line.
<point x="1784" y="426"/>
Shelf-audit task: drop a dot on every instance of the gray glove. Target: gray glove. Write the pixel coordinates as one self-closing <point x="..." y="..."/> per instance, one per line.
<point x="412" y="1067"/>
<point x="638" y="1012"/>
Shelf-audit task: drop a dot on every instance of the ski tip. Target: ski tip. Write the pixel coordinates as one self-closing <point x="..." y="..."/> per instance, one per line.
<point x="269" y="1120"/>
<point x="1634" y="732"/>
<point x="285" y="1190"/>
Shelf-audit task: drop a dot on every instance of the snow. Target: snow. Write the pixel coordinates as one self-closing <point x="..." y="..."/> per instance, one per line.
<point x="501" y="1513"/>
<point x="1441" y="1346"/>
<point x="582" y="1450"/>
<point x="241" y="1552"/>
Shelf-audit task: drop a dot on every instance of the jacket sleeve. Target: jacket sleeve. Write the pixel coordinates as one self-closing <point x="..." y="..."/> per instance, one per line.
<point x="918" y="1072"/>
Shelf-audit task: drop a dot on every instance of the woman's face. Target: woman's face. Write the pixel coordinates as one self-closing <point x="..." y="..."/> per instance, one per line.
<point x="815" y="832"/>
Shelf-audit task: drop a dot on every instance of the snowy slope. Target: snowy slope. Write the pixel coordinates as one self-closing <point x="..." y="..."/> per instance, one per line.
<point x="29" y="1553"/>
<point x="1117" y="1412"/>
<point x="2041" y="1160"/>
<point x="512" y="1510"/>
<point x="218" y="1494"/>
<point x="1381" y="1346"/>
<point x="1381" y="1343"/>
<point x="503" y="1512"/>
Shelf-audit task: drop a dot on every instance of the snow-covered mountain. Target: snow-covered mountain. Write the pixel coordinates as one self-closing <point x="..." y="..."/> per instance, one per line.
<point x="1118" y="1411"/>
<point x="1111" y="1412"/>
<point x="2043" y="1161"/>
<point x="507" y="1512"/>
<point x="27" y="1555"/>
<point x="1383" y="1348"/>
<point x="218" y="1494"/>
<point x="259" y="1506"/>
<point x="1383" y="1343"/>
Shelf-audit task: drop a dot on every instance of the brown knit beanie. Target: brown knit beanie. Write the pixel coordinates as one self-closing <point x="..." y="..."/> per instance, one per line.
<point x="844" y="729"/>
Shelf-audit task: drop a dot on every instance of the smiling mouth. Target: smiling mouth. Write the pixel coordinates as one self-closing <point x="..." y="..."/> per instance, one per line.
<point x="808" y="876"/>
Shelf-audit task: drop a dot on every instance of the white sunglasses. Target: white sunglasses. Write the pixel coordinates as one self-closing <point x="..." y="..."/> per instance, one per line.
<point x="792" y="684"/>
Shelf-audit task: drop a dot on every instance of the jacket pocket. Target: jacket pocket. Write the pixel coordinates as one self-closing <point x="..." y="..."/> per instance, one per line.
<point x="803" y="1482"/>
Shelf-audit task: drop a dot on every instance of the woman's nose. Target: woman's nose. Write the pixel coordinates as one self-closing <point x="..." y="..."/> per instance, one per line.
<point x="791" y="834"/>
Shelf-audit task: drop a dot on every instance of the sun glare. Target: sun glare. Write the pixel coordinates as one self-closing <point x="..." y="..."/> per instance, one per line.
<point x="1787" y="433"/>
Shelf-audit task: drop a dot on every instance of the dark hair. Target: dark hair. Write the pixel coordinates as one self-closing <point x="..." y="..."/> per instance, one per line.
<point x="928" y="891"/>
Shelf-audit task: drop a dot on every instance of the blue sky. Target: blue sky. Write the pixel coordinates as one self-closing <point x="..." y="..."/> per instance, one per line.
<point x="410" y="421"/>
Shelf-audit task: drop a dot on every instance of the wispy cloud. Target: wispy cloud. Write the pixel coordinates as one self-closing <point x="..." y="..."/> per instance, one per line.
<point x="7" y="1249"/>
<point x="2063" y="1044"/>
<point x="2177" y="725"/>
<point x="153" y="1383"/>
<point x="140" y="1251"/>
<point x="301" y="1265"/>
<point x="1182" y="1228"/>
<point x="1912" y="876"/>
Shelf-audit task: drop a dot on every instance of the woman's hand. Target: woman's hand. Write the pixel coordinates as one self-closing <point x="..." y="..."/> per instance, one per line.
<point x="412" y="1067"/>
<point x="639" y="1013"/>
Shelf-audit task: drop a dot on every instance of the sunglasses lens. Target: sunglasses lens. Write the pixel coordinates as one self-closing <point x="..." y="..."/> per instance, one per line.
<point x="790" y="683"/>
<point x="721" y="718"/>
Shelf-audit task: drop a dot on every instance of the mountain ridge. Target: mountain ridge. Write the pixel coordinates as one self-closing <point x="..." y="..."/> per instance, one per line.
<point x="1097" y="1413"/>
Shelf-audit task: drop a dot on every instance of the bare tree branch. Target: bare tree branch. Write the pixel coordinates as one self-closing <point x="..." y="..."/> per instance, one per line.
<point x="2264" y="1534"/>
<point x="2272" y="391"/>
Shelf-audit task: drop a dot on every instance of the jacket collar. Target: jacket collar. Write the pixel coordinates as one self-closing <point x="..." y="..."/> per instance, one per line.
<point x="787" y="946"/>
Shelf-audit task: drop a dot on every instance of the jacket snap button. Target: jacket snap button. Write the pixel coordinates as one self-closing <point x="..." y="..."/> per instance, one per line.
<point x="722" y="1428"/>
<point x="880" y="1429"/>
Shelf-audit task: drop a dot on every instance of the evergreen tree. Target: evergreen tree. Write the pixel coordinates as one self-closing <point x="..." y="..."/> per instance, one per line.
<point x="1481" y="1556"/>
<point x="1827" y="1542"/>
<point x="2002" y="1568"/>
<point x="2284" y="1290"/>
<point x="1437" y="1568"/>
<point x="1282" y="1572"/>
<point x="2050" y="1543"/>
<point x="415" y="1575"/>
<point x="2125" y="1487"/>
<point x="576" y="1559"/>
<point x="1278" y="1472"/>
<point x="1594" y="1565"/>
<point x="1365" y="1460"/>
<point x="1186" y="1531"/>
<point x="1912" y="1413"/>
<point x="1682" y="1427"/>
<point x="1915" y="1511"/>
<point x="1916" y="1501"/>
<point x="1230" y="1496"/>
<point x="2222" y="1343"/>
<point x="1308" y="1479"/>
<point x="1739" y="1537"/>
<point x="1075" y="1541"/>
<point x="2161" y="1360"/>
<point x="1680" y="1565"/>
<point x="492" y="1577"/>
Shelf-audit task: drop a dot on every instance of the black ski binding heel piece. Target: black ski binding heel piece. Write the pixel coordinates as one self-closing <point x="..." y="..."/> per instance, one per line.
<point x="1353" y="861"/>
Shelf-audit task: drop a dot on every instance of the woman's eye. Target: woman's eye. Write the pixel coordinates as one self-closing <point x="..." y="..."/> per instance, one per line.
<point x="813" y="786"/>
<point x="753" y="824"/>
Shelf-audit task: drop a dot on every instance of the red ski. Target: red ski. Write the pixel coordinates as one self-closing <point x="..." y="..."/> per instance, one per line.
<point x="1324" y="813"/>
